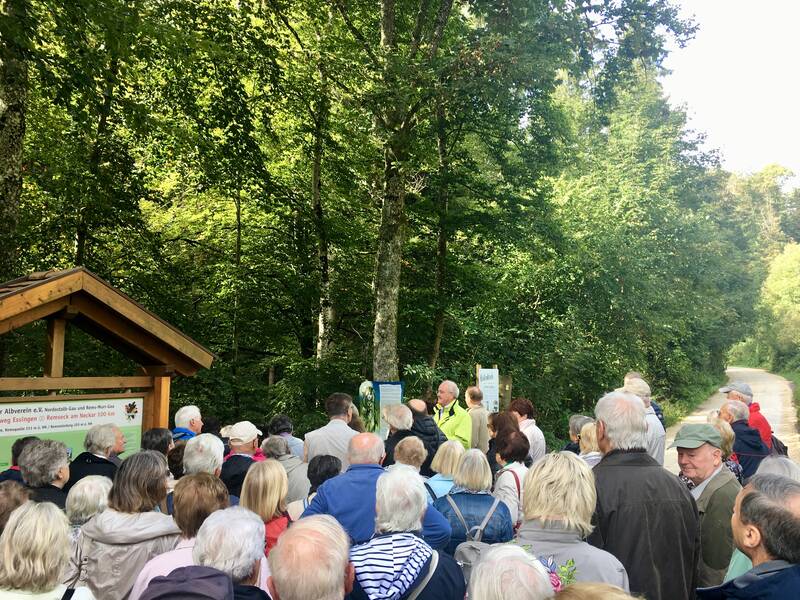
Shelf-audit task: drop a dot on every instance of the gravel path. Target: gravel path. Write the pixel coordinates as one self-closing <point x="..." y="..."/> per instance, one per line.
<point x="774" y="395"/>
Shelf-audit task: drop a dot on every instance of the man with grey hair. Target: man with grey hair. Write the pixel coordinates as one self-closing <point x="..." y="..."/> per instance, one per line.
<point x="644" y="515"/>
<point x="329" y="576"/>
<point x="44" y="465"/>
<point x="396" y="558"/>
<point x="748" y="445"/>
<point x="232" y="541"/>
<point x="766" y="528"/>
<point x="350" y="497"/>
<point x="203" y="453"/>
<point x="508" y="571"/>
<point x="450" y="417"/>
<point x="739" y="390"/>
<point x="188" y="423"/>
<point x="656" y="435"/>
<point x="103" y="444"/>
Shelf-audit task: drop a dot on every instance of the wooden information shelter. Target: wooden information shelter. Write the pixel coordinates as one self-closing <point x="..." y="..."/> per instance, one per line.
<point x="81" y="299"/>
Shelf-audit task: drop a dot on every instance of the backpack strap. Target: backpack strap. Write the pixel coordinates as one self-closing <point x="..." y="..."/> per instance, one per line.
<point x="430" y="490"/>
<point x="516" y="480"/>
<point x="460" y="517"/>
<point x="68" y="593"/>
<point x="485" y="521"/>
<point x="422" y="584"/>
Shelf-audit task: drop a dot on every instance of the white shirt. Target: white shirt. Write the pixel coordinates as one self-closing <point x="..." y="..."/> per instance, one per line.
<point x="697" y="490"/>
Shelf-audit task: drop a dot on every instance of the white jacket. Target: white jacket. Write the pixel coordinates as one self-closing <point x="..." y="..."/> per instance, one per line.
<point x="505" y="488"/>
<point x="535" y="437"/>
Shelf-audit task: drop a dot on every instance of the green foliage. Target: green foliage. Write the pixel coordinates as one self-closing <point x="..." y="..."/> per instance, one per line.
<point x="171" y="148"/>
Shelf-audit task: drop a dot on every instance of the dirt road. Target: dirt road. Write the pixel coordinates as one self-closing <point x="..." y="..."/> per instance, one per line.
<point x="774" y="395"/>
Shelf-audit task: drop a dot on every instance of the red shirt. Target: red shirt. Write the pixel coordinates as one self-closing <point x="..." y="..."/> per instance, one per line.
<point x="759" y="422"/>
<point x="273" y="530"/>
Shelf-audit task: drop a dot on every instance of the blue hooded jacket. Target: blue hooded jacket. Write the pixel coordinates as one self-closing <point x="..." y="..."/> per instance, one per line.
<point x="748" y="447"/>
<point x="350" y="499"/>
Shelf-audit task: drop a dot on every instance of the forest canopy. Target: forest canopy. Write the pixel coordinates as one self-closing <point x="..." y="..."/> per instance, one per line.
<point x="327" y="192"/>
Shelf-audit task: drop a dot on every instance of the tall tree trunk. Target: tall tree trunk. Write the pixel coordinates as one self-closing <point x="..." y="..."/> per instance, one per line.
<point x="13" y="104"/>
<point x="84" y="222"/>
<point x="326" y="311"/>
<point x="442" y="200"/>
<point x="385" y="361"/>
<point x="13" y="101"/>
<point x="237" y="263"/>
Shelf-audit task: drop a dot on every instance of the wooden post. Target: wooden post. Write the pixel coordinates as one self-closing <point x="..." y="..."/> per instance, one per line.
<point x="478" y="375"/>
<point x="160" y="400"/>
<point x="54" y="354"/>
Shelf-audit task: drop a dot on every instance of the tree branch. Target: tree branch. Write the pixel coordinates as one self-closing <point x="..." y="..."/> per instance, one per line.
<point x="442" y="16"/>
<point x="357" y="34"/>
<point x="416" y="36"/>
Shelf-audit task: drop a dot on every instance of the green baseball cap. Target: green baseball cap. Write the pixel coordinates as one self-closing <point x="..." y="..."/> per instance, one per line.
<point x="695" y="435"/>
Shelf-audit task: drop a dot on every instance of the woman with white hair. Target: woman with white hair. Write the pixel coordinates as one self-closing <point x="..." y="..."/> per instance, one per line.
<point x="559" y="501"/>
<point x="34" y="549"/>
<point x="103" y="443"/>
<point x="232" y="541"/>
<point x="445" y="464"/>
<point x="400" y="420"/>
<point x="397" y="562"/>
<point x="86" y="499"/>
<point x="44" y="465"/>
<point x="470" y="506"/>
<point x="508" y="571"/>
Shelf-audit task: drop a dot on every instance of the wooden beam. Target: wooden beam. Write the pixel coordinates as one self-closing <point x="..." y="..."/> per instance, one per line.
<point x="31" y="315"/>
<point x="161" y="389"/>
<point x="34" y="296"/>
<point x="139" y="315"/>
<point x="70" y="397"/>
<point x="54" y="353"/>
<point x="73" y="383"/>
<point x="141" y="339"/>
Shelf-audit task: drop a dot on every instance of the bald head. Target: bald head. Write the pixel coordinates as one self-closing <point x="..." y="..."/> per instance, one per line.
<point x="329" y="575"/>
<point x="418" y="406"/>
<point x="365" y="449"/>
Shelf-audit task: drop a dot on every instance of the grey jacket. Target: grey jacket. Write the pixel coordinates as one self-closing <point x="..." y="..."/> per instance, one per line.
<point x="297" y="472"/>
<point x="113" y="547"/>
<point x="562" y="545"/>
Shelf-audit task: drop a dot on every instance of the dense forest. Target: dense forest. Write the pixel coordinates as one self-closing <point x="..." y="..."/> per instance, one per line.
<point x="327" y="192"/>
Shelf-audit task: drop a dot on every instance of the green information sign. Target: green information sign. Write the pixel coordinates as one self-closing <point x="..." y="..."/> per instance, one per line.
<point x="68" y="421"/>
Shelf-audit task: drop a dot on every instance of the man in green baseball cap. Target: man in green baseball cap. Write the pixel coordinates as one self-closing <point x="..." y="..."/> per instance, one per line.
<point x="715" y="489"/>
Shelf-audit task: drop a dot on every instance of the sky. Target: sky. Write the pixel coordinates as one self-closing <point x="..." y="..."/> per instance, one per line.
<point x="739" y="80"/>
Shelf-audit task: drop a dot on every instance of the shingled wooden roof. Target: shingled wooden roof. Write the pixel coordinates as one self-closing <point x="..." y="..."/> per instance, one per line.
<point x="104" y="312"/>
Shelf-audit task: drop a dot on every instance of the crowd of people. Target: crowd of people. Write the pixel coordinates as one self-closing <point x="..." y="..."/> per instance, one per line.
<point x="455" y="502"/>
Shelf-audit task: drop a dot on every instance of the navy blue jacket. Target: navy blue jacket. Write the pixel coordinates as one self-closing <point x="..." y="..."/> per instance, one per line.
<point x="86" y="464"/>
<point x="12" y="474"/>
<point x="749" y="448"/>
<point x="350" y="499"/>
<point x="473" y="507"/>
<point x="773" y="580"/>
<point x="447" y="583"/>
